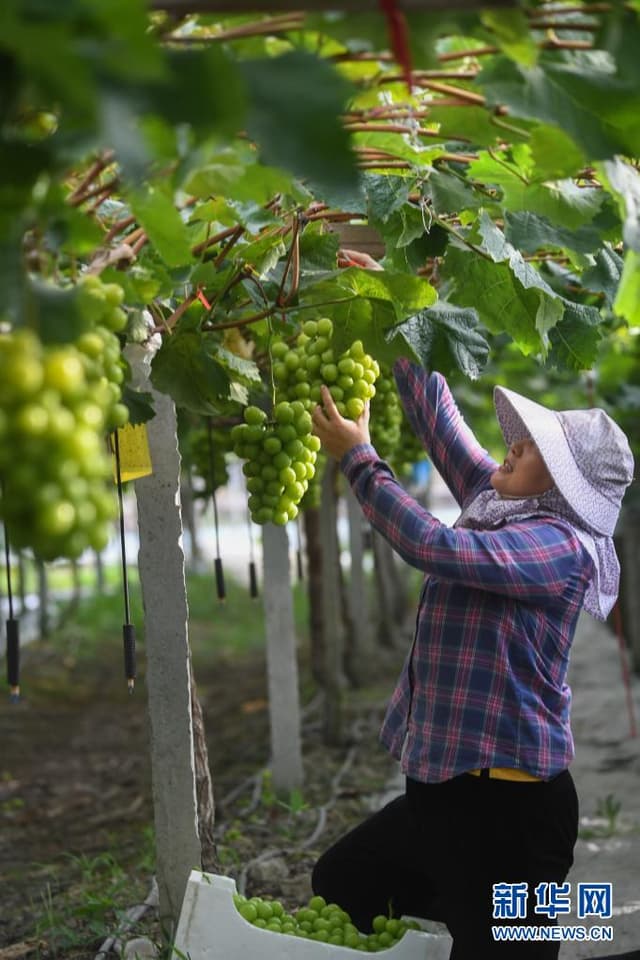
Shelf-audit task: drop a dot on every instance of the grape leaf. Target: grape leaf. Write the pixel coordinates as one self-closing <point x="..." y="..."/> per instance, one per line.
<point x="415" y="254"/>
<point x="139" y="404"/>
<point x="503" y="304"/>
<point x="156" y="212"/>
<point x="529" y="232"/>
<point x="623" y="181"/>
<point x="12" y="275"/>
<point x="605" y="274"/>
<point x="450" y="194"/>
<point x="619" y="34"/>
<point x="550" y="308"/>
<point x="318" y="248"/>
<point x="627" y="302"/>
<point x="262" y="253"/>
<point x="386" y="195"/>
<point x="554" y="154"/>
<point x="185" y="368"/>
<point x="498" y="247"/>
<point x="402" y="228"/>
<point x="369" y="321"/>
<point x="546" y="92"/>
<point x="511" y="29"/>
<point x="445" y="337"/>
<point x="575" y="339"/>
<point x="245" y="370"/>
<point x="54" y="312"/>
<point x="473" y="125"/>
<point x="407" y="294"/>
<point x="562" y="201"/>
<point x="260" y="183"/>
<point x="213" y="179"/>
<point x="302" y="134"/>
<point x="189" y="91"/>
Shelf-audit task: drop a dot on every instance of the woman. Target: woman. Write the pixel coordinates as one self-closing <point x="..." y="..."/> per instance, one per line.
<point x="479" y="719"/>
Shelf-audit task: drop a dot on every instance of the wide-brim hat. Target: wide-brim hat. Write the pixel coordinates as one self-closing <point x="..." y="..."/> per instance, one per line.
<point x="585" y="451"/>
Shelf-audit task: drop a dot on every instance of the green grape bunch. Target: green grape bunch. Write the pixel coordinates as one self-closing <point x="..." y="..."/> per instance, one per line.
<point x="204" y="453"/>
<point x="313" y="494"/>
<point x="385" y="425"/>
<point x="324" y="922"/>
<point x="57" y="404"/>
<point x="280" y="457"/>
<point x="299" y="371"/>
<point x="409" y="450"/>
<point x="99" y="346"/>
<point x="54" y="463"/>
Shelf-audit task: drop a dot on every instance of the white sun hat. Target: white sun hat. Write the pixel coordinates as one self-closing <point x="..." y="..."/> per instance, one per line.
<point x="585" y="451"/>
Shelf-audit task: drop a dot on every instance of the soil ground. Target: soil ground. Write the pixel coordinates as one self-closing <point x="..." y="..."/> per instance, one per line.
<point x="76" y="845"/>
<point x="75" y="807"/>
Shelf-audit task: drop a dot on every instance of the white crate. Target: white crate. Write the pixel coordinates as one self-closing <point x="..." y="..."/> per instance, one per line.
<point x="211" y="928"/>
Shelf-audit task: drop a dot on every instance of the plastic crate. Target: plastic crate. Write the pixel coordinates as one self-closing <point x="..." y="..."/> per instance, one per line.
<point x="211" y="928"/>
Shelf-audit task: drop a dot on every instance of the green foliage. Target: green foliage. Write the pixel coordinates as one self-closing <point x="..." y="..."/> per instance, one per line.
<point x="445" y="337"/>
<point x="300" y="132"/>
<point x="95" y="905"/>
<point x="508" y="193"/>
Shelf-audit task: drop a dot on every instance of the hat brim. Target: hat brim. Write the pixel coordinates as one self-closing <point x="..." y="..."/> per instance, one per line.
<point x="520" y="418"/>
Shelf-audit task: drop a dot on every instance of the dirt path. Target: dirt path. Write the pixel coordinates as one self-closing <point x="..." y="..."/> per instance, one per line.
<point x="75" y="792"/>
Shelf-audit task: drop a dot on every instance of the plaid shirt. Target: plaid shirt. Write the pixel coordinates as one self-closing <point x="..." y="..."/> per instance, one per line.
<point x="483" y="684"/>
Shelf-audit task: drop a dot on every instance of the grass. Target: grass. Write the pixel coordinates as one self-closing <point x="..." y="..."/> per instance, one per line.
<point x="234" y="626"/>
<point x="94" y="905"/>
<point x="83" y="902"/>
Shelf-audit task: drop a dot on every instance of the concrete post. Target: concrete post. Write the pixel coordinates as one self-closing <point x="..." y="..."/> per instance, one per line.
<point x="282" y="663"/>
<point x="331" y="618"/>
<point x="358" y="600"/>
<point x="162" y="578"/>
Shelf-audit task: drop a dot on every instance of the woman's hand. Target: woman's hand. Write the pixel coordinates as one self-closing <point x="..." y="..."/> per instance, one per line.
<point x="336" y="434"/>
<point x="357" y="258"/>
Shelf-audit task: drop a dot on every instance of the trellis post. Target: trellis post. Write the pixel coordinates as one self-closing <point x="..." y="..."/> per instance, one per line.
<point x="331" y="618"/>
<point x="357" y="583"/>
<point x="282" y="663"/>
<point x="162" y="578"/>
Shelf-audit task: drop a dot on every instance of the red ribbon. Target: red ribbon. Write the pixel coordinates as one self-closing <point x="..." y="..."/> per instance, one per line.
<point x="203" y="300"/>
<point x="399" y="36"/>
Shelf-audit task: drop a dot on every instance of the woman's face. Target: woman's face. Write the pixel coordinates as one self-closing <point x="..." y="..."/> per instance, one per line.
<point x="523" y="473"/>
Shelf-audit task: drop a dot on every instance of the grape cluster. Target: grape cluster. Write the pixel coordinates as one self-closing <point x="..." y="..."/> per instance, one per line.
<point x="100" y="348"/>
<point x="300" y="370"/>
<point x="201" y="453"/>
<point x="408" y="451"/>
<point x="386" y="415"/>
<point x="53" y="460"/>
<point x="323" y="921"/>
<point x="313" y="494"/>
<point x="280" y="457"/>
<point x="57" y="402"/>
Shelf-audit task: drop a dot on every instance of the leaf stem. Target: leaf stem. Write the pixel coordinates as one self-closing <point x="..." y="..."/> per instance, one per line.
<point x="503" y="163"/>
<point x="228" y="246"/>
<point x="508" y="126"/>
<point x="455" y="233"/>
<point x="272" y="382"/>
<point x="293" y="260"/>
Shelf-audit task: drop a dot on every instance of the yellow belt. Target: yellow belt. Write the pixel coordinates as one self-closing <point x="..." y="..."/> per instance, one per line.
<point x="504" y="773"/>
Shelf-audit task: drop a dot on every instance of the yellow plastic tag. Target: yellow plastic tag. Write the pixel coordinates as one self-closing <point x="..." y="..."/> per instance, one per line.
<point x="135" y="459"/>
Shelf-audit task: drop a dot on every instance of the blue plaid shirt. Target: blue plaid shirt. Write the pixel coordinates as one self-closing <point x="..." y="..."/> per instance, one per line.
<point x="483" y="684"/>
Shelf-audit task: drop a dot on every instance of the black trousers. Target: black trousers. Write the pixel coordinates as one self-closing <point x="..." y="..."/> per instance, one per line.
<point x="436" y="852"/>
